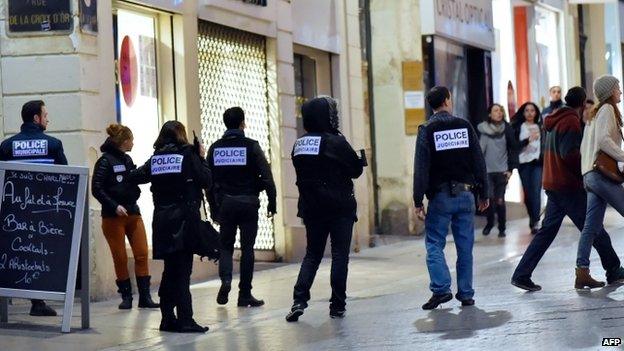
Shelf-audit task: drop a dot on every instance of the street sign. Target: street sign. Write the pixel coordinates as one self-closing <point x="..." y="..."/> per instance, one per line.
<point x="43" y="220"/>
<point x="26" y="16"/>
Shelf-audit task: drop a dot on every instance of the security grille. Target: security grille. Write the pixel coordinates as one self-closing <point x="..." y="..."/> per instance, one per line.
<point x="232" y="72"/>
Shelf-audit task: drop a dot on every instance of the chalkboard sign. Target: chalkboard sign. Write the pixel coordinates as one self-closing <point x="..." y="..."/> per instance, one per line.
<point x="42" y="221"/>
<point x="39" y="16"/>
<point x="37" y="212"/>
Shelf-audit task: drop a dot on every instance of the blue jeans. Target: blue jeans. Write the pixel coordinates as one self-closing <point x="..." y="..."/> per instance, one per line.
<point x="458" y="212"/>
<point x="531" y="178"/>
<point x="600" y="192"/>
<point x="558" y="206"/>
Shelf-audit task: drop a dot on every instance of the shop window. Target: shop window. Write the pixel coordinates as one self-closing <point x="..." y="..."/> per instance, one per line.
<point x="232" y="72"/>
<point x="305" y="85"/>
<point x="548" y="58"/>
<point x="138" y="96"/>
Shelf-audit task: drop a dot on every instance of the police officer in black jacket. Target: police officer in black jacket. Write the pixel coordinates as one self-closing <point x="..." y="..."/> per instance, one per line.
<point x="240" y="172"/>
<point x="179" y="174"/>
<point x="448" y="168"/>
<point x="325" y="164"/>
<point x="32" y="145"/>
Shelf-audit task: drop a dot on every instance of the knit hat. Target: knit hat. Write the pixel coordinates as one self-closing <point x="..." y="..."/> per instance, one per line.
<point x="603" y="87"/>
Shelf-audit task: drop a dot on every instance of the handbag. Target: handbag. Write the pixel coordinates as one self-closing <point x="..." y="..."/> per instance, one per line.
<point x="201" y="237"/>
<point x="608" y="166"/>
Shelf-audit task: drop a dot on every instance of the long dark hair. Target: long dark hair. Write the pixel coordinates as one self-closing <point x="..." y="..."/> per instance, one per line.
<point x="172" y="132"/>
<point x="518" y="117"/>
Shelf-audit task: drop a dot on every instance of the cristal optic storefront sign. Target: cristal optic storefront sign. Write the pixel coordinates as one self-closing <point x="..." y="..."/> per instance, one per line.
<point x="466" y="21"/>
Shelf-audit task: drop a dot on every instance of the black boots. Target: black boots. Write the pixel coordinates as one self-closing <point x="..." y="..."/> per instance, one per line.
<point x="145" y="298"/>
<point x="40" y="309"/>
<point x="245" y="299"/>
<point x="222" y="296"/>
<point x="125" y="289"/>
<point x="295" y="312"/>
<point x="436" y="300"/>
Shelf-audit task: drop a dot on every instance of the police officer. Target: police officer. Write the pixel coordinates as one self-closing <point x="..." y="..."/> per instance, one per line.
<point x="448" y="167"/>
<point x="32" y="145"/>
<point x="178" y="173"/>
<point x="325" y="165"/>
<point x="240" y="172"/>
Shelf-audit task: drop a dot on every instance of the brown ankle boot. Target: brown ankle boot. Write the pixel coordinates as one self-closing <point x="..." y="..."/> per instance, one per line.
<point x="583" y="279"/>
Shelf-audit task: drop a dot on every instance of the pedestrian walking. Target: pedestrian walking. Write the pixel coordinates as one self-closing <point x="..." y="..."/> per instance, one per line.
<point x="497" y="142"/>
<point x="121" y="216"/>
<point x="527" y="124"/>
<point x="33" y="145"/>
<point x="448" y="167"/>
<point x="603" y="134"/>
<point x="325" y="164"/>
<point x="555" y="101"/>
<point x="240" y="171"/>
<point x="566" y="197"/>
<point x="179" y="173"/>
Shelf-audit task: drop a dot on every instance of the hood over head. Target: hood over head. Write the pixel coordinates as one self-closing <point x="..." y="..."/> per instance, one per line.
<point x="563" y="113"/>
<point x="320" y="115"/>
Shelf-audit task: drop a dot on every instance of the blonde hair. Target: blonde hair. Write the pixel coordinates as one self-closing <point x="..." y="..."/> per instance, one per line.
<point x="118" y="134"/>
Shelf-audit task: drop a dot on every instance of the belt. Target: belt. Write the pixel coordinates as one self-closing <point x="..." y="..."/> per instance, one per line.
<point x="458" y="186"/>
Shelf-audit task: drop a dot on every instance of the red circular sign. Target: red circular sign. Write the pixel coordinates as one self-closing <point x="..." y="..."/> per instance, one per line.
<point x="128" y="70"/>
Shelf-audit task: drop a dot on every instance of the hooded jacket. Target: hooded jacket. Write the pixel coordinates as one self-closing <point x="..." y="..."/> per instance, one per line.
<point x="562" y="157"/>
<point x="178" y="176"/>
<point x="498" y="146"/>
<point x="325" y="164"/>
<point x="110" y="183"/>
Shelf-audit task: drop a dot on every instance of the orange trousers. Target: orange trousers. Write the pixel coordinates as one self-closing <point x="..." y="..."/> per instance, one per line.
<point x="115" y="231"/>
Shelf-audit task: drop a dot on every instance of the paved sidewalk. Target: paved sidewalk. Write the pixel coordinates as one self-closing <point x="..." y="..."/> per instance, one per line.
<point x="387" y="286"/>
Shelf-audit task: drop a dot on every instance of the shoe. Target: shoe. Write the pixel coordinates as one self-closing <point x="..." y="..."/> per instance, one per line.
<point x="40" y="309"/>
<point x="125" y="289"/>
<point x="616" y="276"/>
<point x="192" y="327"/>
<point x="501" y="234"/>
<point x="487" y="230"/>
<point x="465" y="302"/>
<point x="295" y="312"/>
<point x="584" y="280"/>
<point x="436" y="300"/>
<point x="337" y="314"/>
<point x="247" y="300"/>
<point x="534" y="231"/>
<point x="145" y="297"/>
<point x="224" y="290"/>
<point x="526" y="284"/>
<point x="169" y="325"/>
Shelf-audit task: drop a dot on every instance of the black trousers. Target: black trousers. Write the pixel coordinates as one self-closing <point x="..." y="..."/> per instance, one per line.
<point x="175" y="286"/>
<point x="498" y="184"/>
<point x="235" y="214"/>
<point x="339" y="230"/>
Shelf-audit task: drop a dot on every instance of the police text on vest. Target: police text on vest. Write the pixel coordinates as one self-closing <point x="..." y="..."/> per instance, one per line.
<point x="169" y="163"/>
<point x="451" y="139"/>
<point x="230" y="156"/>
<point x="34" y="147"/>
<point x="310" y="145"/>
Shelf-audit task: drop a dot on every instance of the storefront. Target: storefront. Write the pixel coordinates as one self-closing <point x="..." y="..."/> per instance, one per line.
<point x="458" y="37"/>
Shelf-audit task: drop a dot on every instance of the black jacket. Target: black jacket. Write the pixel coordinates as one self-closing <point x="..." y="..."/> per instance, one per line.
<point x="447" y="149"/>
<point x="239" y="167"/>
<point x="325" y="164"/>
<point x="179" y="177"/>
<point x="110" y="183"/>
<point x="32" y="145"/>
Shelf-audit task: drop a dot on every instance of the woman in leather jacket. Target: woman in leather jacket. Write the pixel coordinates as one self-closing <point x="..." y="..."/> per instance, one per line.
<point x="179" y="175"/>
<point x="121" y="216"/>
